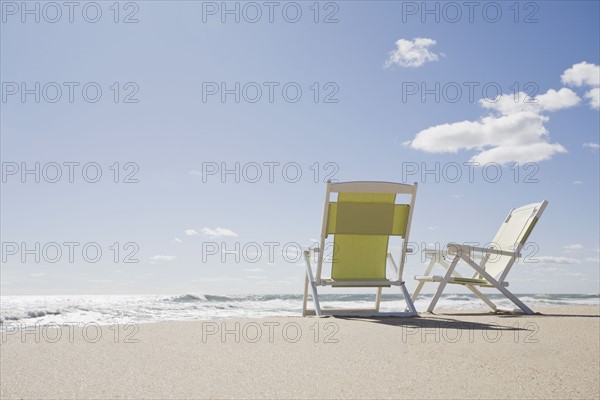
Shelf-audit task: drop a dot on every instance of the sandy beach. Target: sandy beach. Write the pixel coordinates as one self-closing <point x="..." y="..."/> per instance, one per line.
<point x="555" y="355"/>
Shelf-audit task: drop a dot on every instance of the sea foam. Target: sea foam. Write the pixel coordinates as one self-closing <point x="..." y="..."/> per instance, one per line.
<point x="123" y="309"/>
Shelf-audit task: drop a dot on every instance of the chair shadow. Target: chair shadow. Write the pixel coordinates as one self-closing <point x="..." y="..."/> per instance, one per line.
<point x="443" y="320"/>
<point x="516" y="315"/>
<point x="436" y="323"/>
<point x="568" y="315"/>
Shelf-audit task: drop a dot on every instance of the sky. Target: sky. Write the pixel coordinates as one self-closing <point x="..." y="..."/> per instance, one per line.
<point x="183" y="147"/>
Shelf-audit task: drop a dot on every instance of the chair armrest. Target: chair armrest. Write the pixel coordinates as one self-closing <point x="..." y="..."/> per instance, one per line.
<point x="442" y="253"/>
<point x="408" y="251"/>
<point x="455" y="248"/>
<point x="433" y="251"/>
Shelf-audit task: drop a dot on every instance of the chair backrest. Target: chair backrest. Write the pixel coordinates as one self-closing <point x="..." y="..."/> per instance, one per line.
<point x="362" y="220"/>
<point x="512" y="236"/>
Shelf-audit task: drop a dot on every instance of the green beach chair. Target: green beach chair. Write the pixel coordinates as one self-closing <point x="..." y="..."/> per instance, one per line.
<point x="491" y="264"/>
<point x="361" y="220"/>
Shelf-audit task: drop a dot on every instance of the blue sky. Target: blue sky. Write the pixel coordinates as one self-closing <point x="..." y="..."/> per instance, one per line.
<point x="367" y="124"/>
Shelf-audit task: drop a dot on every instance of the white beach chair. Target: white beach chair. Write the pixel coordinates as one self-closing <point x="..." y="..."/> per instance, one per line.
<point x="494" y="262"/>
<point x="362" y="220"/>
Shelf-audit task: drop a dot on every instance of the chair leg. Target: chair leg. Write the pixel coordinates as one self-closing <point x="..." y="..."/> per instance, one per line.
<point x="418" y="290"/>
<point x="443" y="283"/>
<point x="515" y="300"/>
<point x="409" y="302"/>
<point x="378" y="299"/>
<point x="500" y="287"/>
<point x="482" y="297"/>
<point x="422" y="283"/>
<point x="305" y="298"/>
<point x="310" y="280"/>
<point x="315" y="297"/>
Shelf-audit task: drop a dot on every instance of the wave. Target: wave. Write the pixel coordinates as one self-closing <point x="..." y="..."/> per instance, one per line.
<point x="19" y="315"/>
<point x="252" y="297"/>
<point x="121" y="309"/>
<point x="565" y="296"/>
<point x="186" y="298"/>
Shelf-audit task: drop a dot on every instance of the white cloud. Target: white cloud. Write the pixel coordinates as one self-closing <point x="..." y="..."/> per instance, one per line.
<point x="516" y="131"/>
<point x="595" y="260"/>
<point x="573" y="247"/>
<point x="558" y="260"/>
<point x="552" y="100"/>
<point x="531" y="152"/>
<point x="553" y="272"/>
<point x="519" y="137"/>
<point x="582" y="74"/>
<point x="585" y="74"/>
<point x="191" y="232"/>
<point x="412" y="53"/>
<point x="594" y="97"/>
<point x="577" y="182"/>
<point x="593" y="146"/>
<point x="177" y="240"/>
<point x="218" y="232"/>
<point x="159" y="257"/>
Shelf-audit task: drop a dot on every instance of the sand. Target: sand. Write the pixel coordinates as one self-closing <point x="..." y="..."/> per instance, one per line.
<point x="446" y="355"/>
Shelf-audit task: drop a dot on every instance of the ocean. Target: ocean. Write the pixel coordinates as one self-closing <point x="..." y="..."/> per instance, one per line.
<point x="123" y="309"/>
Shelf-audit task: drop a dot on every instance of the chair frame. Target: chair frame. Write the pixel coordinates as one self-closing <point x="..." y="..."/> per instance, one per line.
<point x="467" y="254"/>
<point x="314" y="280"/>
